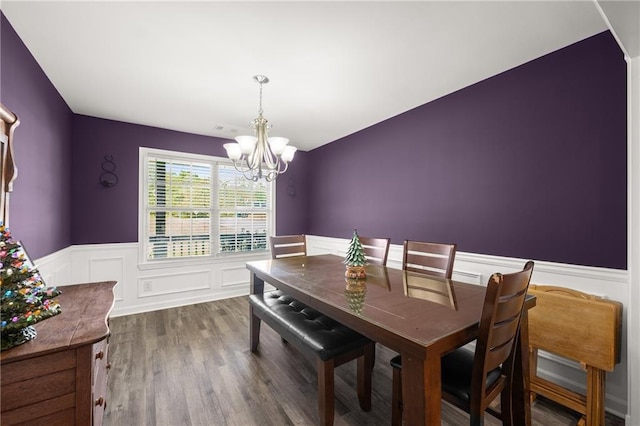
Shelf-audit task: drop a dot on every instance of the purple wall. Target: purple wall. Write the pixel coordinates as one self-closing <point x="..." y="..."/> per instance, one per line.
<point x="530" y="163"/>
<point x="110" y="215"/>
<point x="292" y="197"/>
<point x="40" y="207"/>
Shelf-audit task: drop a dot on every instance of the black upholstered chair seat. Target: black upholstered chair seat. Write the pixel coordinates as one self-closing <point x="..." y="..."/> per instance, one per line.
<point x="298" y="323"/>
<point x="456" y="373"/>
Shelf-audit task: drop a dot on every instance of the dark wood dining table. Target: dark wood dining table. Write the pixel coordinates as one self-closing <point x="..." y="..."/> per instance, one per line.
<point x="420" y="317"/>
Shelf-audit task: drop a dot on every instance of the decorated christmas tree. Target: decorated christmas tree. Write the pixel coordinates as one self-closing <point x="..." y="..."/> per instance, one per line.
<point x="355" y="259"/>
<point x="25" y="300"/>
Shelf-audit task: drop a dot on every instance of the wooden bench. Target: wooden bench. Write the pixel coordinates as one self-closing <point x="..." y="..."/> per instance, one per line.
<point x="580" y="327"/>
<point x="325" y="341"/>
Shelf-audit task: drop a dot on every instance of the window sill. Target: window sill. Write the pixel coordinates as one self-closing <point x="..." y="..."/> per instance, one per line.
<point x="192" y="261"/>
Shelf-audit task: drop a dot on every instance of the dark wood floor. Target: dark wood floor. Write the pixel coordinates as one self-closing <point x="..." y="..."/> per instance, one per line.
<point x="192" y="366"/>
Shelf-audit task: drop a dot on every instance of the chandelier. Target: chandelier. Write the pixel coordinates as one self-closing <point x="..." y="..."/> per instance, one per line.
<point x="260" y="156"/>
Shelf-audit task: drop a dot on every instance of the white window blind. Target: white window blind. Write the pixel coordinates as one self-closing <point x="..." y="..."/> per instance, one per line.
<point x="199" y="206"/>
<point x="243" y="211"/>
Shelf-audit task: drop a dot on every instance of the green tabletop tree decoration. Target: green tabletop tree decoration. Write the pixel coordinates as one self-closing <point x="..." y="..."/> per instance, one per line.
<point x="355" y="259"/>
<point x="25" y="300"/>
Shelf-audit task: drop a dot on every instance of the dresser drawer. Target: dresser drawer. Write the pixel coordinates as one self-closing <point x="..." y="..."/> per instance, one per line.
<point x="38" y="387"/>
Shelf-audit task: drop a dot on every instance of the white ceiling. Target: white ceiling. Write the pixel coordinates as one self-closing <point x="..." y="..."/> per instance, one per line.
<point x="335" y="67"/>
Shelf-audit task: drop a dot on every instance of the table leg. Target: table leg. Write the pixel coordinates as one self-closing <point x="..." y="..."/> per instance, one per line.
<point x="421" y="389"/>
<point x="257" y="285"/>
<point x="521" y="392"/>
<point x="254" y="330"/>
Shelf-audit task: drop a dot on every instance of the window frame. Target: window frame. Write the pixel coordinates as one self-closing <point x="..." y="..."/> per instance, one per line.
<point x="143" y="211"/>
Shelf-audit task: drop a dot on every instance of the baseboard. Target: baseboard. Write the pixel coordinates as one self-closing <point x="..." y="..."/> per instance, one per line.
<point x="174" y="303"/>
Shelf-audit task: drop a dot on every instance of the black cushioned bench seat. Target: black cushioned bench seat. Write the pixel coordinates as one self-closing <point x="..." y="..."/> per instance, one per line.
<point x="319" y="337"/>
<point x="296" y="322"/>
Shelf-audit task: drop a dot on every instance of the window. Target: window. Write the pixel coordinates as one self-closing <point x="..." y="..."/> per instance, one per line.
<point x="199" y="206"/>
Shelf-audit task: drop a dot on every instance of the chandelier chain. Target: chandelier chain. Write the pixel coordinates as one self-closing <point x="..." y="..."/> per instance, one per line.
<point x="260" y="107"/>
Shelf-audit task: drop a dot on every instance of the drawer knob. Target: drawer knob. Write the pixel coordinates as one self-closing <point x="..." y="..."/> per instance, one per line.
<point x="100" y="355"/>
<point x="100" y="401"/>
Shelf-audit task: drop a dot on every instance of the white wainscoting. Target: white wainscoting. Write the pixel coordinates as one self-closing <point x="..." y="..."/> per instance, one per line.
<point x="147" y="289"/>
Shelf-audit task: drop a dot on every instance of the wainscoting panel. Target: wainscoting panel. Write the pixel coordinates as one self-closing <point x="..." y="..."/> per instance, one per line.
<point x="177" y="283"/>
<point x="233" y="276"/>
<point x="108" y="269"/>
<point x="55" y="268"/>
<point x="153" y="288"/>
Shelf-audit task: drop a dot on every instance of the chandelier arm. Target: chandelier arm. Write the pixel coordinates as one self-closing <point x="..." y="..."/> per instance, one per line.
<point x="271" y="176"/>
<point x="263" y="143"/>
<point x="284" y="169"/>
<point x="244" y="170"/>
<point x="240" y="168"/>
<point x="272" y="160"/>
<point x="242" y="165"/>
<point x="251" y="176"/>
<point x="253" y="159"/>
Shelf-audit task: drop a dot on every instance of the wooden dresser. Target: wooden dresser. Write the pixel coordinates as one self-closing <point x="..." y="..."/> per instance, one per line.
<point x="60" y="377"/>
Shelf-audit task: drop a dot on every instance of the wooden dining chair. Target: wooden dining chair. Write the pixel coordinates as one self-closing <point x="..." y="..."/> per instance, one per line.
<point x="376" y="250"/>
<point x="288" y="246"/>
<point x="429" y="258"/>
<point x="471" y="381"/>
<point x="435" y="259"/>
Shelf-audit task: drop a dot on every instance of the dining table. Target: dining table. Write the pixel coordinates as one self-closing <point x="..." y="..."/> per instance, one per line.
<point x="419" y="316"/>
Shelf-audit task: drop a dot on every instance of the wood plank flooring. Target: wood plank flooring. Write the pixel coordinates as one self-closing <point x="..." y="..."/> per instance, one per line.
<point x="192" y="366"/>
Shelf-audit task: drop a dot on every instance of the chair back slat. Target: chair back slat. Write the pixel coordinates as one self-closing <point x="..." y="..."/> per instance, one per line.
<point x="497" y="356"/>
<point x="507" y="309"/>
<point x="504" y="332"/>
<point x="288" y="246"/>
<point x="429" y="258"/>
<point x="376" y="250"/>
